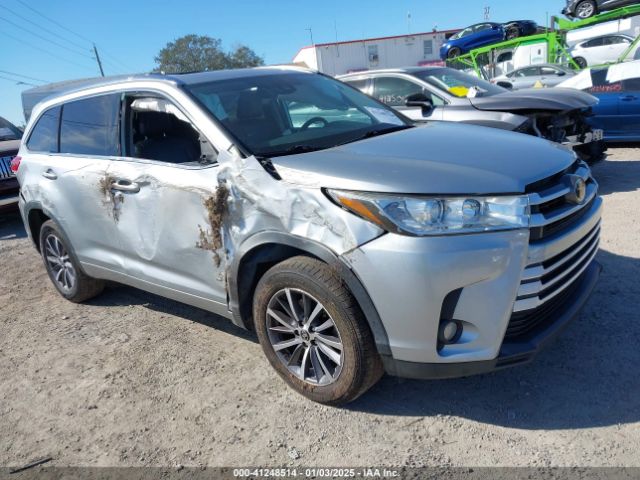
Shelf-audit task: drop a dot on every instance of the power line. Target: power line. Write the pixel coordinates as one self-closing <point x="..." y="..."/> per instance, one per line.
<point x="18" y="82"/>
<point x="55" y="34"/>
<point x="53" y="21"/>
<point x="114" y="59"/>
<point x="24" y="76"/>
<point x="45" y="38"/>
<point x="82" y="37"/>
<point x="40" y="49"/>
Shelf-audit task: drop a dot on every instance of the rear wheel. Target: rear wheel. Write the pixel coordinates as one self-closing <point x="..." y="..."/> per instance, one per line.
<point x="513" y="32"/>
<point x="581" y="62"/>
<point x="586" y="9"/>
<point x="313" y="332"/>
<point x="63" y="268"/>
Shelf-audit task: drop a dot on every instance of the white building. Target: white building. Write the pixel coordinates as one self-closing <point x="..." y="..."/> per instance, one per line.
<point x="372" y="53"/>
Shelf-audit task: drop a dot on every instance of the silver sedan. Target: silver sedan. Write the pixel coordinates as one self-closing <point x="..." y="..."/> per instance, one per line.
<point x="544" y="75"/>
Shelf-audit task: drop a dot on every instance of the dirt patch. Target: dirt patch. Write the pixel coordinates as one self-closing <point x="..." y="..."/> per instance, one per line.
<point x="217" y="208"/>
<point x="114" y="201"/>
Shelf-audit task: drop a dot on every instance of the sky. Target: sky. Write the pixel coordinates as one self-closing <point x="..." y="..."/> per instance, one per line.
<point x="51" y="40"/>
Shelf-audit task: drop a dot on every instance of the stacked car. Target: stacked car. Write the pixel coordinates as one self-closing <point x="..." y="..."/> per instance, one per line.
<point x="483" y="34"/>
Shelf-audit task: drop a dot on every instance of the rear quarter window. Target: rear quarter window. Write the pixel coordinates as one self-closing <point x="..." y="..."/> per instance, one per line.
<point x="44" y="136"/>
<point x="90" y="126"/>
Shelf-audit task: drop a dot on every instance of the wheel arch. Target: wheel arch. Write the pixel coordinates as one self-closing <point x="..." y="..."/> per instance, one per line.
<point x="263" y="250"/>
<point x="35" y="215"/>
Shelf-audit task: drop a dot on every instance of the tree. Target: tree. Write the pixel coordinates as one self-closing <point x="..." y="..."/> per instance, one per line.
<point x="195" y="53"/>
<point x="244" y="57"/>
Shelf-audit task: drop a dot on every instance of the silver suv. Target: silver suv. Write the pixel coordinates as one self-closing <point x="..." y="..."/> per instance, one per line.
<point x="351" y="241"/>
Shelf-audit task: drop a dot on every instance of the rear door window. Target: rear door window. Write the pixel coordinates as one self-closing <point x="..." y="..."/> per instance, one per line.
<point x="528" y="72"/>
<point x="596" y="42"/>
<point x="44" y="136"/>
<point x="394" y="91"/>
<point x="90" y="126"/>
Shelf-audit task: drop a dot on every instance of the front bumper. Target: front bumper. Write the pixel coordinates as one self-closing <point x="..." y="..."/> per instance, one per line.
<point x="511" y="353"/>
<point x="500" y="284"/>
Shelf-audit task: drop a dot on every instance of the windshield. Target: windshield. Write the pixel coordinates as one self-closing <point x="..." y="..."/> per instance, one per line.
<point x="8" y="131"/>
<point x="463" y="33"/>
<point x="457" y="83"/>
<point x="286" y="113"/>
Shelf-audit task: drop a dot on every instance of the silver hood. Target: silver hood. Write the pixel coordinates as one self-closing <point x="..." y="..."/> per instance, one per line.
<point x="437" y="158"/>
<point x="556" y="99"/>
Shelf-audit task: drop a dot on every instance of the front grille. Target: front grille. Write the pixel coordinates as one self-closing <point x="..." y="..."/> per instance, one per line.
<point x="547" y="280"/>
<point x="551" y="211"/>
<point x="5" y="166"/>
<point x="523" y="323"/>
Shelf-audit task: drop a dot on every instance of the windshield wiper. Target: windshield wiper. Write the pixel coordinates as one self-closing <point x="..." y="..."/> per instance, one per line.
<point x="375" y="133"/>
<point x="295" y="149"/>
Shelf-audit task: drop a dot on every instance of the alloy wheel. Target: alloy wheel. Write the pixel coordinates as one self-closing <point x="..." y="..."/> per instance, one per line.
<point x="585" y="10"/>
<point x="304" y="337"/>
<point x="59" y="262"/>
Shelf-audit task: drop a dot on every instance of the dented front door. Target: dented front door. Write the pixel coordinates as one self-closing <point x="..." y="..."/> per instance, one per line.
<point x="170" y="240"/>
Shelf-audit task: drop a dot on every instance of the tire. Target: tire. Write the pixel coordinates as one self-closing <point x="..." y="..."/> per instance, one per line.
<point x="582" y="62"/>
<point x="63" y="267"/>
<point x="512" y="32"/>
<point x="305" y="365"/>
<point x="453" y="53"/>
<point x="585" y="9"/>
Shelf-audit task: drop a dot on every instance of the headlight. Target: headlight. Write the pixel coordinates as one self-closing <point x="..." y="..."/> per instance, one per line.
<point x="423" y="216"/>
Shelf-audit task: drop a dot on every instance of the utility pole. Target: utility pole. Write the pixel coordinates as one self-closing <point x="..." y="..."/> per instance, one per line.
<point x="310" y="34"/>
<point x="95" y="50"/>
<point x="487" y="13"/>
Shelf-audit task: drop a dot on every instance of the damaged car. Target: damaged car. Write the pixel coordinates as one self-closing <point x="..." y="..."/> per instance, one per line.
<point x="350" y="240"/>
<point x="446" y="94"/>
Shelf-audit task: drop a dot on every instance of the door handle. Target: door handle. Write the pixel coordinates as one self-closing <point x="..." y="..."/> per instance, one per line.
<point x="50" y="174"/>
<point x="125" y="186"/>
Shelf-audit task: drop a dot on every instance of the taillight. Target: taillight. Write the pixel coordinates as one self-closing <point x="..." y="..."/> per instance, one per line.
<point x="15" y="164"/>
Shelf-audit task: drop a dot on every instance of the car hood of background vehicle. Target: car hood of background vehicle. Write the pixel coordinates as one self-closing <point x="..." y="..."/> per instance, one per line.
<point x="557" y="99"/>
<point x="437" y="158"/>
<point x="9" y="145"/>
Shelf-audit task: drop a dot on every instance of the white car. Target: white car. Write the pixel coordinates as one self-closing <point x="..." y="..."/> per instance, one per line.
<point x="600" y="50"/>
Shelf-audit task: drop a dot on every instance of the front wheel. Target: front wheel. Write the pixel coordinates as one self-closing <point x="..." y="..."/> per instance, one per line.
<point x="63" y="268"/>
<point x="313" y="332"/>
<point x="453" y="53"/>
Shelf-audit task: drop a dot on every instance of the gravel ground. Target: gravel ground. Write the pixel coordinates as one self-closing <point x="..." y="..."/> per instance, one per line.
<point x="131" y="379"/>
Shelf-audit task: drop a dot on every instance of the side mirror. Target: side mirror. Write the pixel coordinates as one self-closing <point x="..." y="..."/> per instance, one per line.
<point x="507" y="85"/>
<point x="420" y="100"/>
<point x="561" y="73"/>
<point x="160" y="105"/>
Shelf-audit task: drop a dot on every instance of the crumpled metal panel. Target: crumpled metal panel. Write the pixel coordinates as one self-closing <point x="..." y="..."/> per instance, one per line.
<point x="258" y="202"/>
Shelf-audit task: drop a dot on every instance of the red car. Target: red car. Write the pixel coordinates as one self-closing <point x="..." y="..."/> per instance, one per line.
<point x="10" y="136"/>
